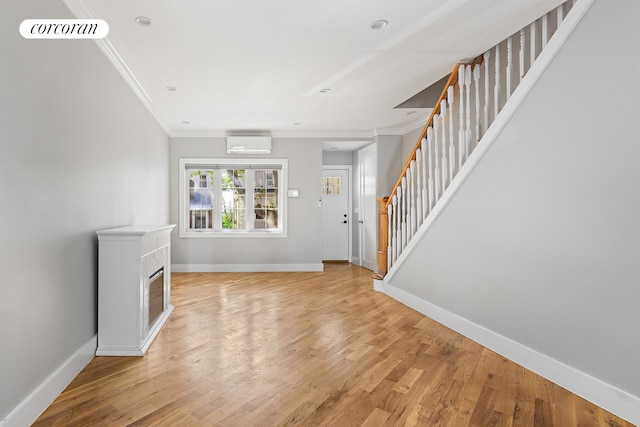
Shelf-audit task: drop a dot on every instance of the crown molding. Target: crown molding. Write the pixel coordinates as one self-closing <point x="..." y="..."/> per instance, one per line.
<point x="416" y="124"/>
<point x="80" y="10"/>
<point x="341" y="134"/>
<point x="405" y="127"/>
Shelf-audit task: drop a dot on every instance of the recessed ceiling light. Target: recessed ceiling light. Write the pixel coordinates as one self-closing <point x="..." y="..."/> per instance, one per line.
<point x="378" y="25"/>
<point x="411" y="112"/>
<point x="171" y="88"/>
<point x="325" y="90"/>
<point x="297" y="123"/>
<point x="186" y="122"/>
<point x="143" y="21"/>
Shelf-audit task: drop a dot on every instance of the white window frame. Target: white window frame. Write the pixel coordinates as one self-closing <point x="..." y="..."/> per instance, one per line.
<point x="248" y="163"/>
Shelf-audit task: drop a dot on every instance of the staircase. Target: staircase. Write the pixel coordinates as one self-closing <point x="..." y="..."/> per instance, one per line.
<point x="524" y="235"/>
<point x="472" y="99"/>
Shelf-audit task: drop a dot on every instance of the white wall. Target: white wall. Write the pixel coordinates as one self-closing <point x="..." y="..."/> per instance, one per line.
<point x="390" y="162"/>
<point x="303" y="245"/>
<point x="540" y="245"/>
<point x="79" y="153"/>
<point x="409" y="141"/>
<point x="337" y="157"/>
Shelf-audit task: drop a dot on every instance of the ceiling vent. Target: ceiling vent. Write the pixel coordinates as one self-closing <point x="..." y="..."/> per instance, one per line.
<point x="248" y="144"/>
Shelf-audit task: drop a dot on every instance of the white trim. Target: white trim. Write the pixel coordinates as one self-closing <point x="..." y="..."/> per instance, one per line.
<point x="617" y="401"/>
<point x="416" y="124"/>
<point x="245" y="268"/>
<point x="80" y="10"/>
<point x="221" y="133"/>
<point x="388" y="131"/>
<point x="519" y="94"/>
<point x="349" y="169"/>
<point x="365" y="215"/>
<point x="35" y="404"/>
<point x="283" y="187"/>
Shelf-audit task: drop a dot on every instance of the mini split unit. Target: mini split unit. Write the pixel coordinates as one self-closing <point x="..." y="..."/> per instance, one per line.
<point x="249" y="145"/>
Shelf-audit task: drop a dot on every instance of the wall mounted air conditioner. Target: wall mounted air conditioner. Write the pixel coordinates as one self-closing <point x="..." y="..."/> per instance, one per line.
<point x="249" y="145"/>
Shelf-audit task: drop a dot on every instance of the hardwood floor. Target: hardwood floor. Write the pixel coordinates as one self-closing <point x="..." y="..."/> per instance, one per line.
<point x="310" y="349"/>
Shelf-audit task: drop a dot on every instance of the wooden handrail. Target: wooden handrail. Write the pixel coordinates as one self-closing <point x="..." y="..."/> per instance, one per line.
<point x="383" y="203"/>
<point x="453" y="79"/>
<point x="417" y="191"/>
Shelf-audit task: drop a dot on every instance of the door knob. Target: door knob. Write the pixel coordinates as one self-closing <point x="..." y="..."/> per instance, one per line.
<point x="361" y="222"/>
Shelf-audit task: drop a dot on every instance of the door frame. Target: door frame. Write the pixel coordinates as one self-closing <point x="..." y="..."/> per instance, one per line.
<point x="368" y="215"/>
<point x="349" y="170"/>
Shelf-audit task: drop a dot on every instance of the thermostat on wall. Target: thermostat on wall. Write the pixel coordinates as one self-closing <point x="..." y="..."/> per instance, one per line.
<point x="293" y="192"/>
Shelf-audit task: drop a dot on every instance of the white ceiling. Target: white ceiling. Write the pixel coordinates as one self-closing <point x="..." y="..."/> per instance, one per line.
<point x="260" y="65"/>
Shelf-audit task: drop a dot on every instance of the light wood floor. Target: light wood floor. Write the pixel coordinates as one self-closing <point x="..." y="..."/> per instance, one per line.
<point x="310" y="349"/>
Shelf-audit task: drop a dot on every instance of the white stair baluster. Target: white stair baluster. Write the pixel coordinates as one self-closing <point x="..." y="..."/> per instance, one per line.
<point x="411" y="181"/>
<point x="545" y="30"/>
<point x="425" y="196"/>
<point x="509" y="66"/>
<point x="476" y="83"/>
<point x="423" y="175"/>
<point x="395" y="226"/>
<point x="400" y="219"/>
<point x="389" y="236"/>
<point x="399" y="224"/>
<point x="560" y="15"/>
<point x="452" y="147"/>
<point x="467" y="126"/>
<point x="462" y="154"/>
<point x="414" y="196"/>
<point x="496" y="90"/>
<point x="522" y="46"/>
<point x="405" y="205"/>
<point x="532" y="38"/>
<point x="409" y="199"/>
<point x="419" y="213"/>
<point x="486" y="60"/>
<point x="445" y="165"/>
<point x="432" y="183"/>
<point x="436" y="152"/>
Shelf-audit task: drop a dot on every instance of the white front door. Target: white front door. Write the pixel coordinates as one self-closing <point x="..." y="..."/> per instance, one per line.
<point x="368" y="220"/>
<point x="336" y="219"/>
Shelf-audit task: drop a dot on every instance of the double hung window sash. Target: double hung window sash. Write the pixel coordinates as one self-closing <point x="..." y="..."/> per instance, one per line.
<point x="235" y="197"/>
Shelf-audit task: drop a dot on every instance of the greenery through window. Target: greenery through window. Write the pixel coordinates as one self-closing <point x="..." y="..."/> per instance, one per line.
<point x="232" y="196"/>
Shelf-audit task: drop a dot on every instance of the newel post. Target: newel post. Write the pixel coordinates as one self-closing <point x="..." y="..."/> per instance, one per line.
<point x="383" y="235"/>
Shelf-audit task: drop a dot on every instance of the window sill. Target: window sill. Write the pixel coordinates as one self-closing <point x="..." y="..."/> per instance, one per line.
<point x="233" y="234"/>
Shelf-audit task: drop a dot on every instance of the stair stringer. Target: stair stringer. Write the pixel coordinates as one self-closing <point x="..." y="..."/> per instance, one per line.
<point x="582" y="376"/>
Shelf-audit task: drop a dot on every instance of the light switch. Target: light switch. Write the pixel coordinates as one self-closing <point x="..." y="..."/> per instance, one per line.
<point x="293" y="192"/>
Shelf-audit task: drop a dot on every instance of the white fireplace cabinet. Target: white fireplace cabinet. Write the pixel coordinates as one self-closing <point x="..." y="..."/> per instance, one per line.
<point x="134" y="287"/>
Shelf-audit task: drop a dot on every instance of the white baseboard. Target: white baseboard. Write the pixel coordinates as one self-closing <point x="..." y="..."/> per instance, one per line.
<point x="614" y="400"/>
<point x="244" y="268"/>
<point x="34" y="405"/>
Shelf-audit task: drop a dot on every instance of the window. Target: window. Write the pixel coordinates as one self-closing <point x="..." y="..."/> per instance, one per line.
<point x="331" y="186"/>
<point x="233" y="197"/>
